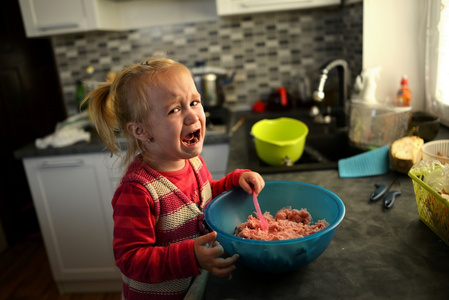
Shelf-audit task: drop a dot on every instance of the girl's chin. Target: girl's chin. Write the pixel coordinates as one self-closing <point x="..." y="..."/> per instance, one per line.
<point x="193" y="150"/>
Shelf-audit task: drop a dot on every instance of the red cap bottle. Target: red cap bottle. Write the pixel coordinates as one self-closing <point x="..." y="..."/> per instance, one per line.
<point x="404" y="94"/>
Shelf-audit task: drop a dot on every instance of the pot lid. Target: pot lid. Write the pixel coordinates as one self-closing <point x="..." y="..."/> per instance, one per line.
<point x="208" y="70"/>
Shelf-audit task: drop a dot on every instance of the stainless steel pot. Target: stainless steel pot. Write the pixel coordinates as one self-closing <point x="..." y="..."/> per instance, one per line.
<point x="209" y="82"/>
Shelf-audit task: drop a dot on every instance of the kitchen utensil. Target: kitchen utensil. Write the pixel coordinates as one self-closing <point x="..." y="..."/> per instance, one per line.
<point x="374" y="162"/>
<point x="390" y="198"/>
<point x="436" y="150"/>
<point x="376" y="125"/>
<point x="209" y="82"/>
<point x="259" y="106"/>
<point x="279" y="141"/>
<point x="263" y="222"/>
<point x="279" y="100"/>
<point x="238" y="124"/>
<point x="381" y="190"/>
<point x="233" y="207"/>
<point x="384" y="190"/>
<point x="423" y="125"/>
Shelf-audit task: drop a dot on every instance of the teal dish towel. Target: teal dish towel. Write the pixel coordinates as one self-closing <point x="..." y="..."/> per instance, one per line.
<point x="371" y="163"/>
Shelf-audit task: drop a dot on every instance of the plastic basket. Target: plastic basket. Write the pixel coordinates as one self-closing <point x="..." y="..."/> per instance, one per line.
<point x="433" y="209"/>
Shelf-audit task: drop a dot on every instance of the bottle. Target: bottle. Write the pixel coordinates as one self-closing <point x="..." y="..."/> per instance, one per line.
<point x="79" y="94"/>
<point x="83" y="87"/>
<point x="369" y="84"/>
<point x="404" y="94"/>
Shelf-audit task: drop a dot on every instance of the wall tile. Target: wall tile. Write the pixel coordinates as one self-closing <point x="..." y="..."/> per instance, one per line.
<point x="265" y="50"/>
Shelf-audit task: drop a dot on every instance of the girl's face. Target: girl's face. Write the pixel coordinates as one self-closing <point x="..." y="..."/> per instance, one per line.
<point x="176" y="122"/>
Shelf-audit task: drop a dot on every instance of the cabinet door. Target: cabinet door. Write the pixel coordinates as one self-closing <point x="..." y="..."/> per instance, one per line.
<point x="216" y="158"/>
<point x="72" y="196"/>
<point x="115" y="169"/>
<point x="44" y="17"/>
<point x="235" y="7"/>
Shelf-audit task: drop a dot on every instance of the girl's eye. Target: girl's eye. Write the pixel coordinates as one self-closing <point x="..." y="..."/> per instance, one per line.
<point x="195" y="103"/>
<point x="174" y="110"/>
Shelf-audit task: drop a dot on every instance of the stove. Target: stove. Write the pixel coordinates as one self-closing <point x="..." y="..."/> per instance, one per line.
<point x="216" y="119"/>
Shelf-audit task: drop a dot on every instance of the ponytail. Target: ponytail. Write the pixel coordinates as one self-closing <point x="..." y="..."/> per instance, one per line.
<point x="103" y="116"/>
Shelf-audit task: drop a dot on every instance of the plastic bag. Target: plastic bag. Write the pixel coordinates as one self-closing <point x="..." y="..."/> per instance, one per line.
<point x="437" y="176"/>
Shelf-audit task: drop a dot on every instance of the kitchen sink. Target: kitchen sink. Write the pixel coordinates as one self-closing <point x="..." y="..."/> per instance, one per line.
<point x="325" y="145"/>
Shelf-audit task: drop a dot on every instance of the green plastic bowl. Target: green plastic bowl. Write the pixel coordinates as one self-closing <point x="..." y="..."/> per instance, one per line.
<point x="279" y="141"/>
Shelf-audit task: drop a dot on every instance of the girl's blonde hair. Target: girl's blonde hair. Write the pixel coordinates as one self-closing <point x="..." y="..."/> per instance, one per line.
<point x="126" y="99"/>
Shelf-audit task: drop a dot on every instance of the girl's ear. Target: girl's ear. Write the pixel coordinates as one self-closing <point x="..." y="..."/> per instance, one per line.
<point x="138" y="131"/>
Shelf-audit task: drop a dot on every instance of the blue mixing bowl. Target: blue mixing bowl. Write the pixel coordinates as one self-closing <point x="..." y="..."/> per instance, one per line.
<point x="233" y="207"/>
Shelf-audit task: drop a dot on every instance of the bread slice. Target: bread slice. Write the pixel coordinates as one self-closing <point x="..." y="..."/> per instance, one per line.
<point x="405" y="152"/>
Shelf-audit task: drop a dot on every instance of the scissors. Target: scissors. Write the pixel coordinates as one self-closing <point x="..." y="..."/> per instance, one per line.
<point x="382" y="190"/>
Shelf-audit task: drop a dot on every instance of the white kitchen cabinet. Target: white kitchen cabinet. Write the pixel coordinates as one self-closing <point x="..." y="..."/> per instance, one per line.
<point x="237" y="7"/>
<point x="140" y="14"/>
<point x="216" y="159"/>
<point x="72" y="196"/>
<point x="214" y="155"/>
<point x="50" y="17"/>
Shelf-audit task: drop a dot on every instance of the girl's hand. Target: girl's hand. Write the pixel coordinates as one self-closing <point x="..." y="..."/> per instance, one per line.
<point x="250" y="181"/>
<point x="208" y="252"/>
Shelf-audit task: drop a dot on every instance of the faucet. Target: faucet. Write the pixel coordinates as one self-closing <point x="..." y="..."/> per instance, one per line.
<point x="344" y="81"/>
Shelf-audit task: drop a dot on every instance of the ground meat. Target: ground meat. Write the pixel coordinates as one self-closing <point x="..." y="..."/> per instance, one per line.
<point x="287" y="224"/>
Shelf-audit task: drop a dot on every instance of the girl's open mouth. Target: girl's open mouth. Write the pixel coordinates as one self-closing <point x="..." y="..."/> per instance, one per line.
<point x="192" y="138"/>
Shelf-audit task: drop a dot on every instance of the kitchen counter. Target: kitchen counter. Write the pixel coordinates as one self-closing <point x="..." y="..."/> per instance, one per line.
<point x="375" y="254"/>
<point x="96" y="145"/>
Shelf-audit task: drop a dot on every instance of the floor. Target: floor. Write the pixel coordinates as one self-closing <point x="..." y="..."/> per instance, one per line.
<point x="26" y="274"/>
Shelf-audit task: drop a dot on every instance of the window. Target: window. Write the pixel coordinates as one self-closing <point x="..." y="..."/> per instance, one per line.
<point x="437" y="59"/>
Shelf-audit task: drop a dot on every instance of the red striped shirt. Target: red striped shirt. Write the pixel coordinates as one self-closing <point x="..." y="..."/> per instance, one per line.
<point x="155" y="224"/>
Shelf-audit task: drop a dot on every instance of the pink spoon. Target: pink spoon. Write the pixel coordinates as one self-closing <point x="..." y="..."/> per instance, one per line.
<point x="259" y="213"/>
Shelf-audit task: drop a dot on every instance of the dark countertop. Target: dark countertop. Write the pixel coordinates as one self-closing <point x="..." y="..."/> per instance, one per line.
<point x="96" y="145"/>
<point x="375" y="253"/>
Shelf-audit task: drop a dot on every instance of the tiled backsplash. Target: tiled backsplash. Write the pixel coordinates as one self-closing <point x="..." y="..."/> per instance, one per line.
<point x="266" y="50"/>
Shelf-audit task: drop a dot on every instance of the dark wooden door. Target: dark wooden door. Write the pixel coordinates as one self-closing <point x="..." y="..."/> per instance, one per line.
<point x="31" y="104"/>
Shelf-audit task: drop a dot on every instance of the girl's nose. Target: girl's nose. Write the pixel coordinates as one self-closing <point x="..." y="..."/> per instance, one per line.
<point x="191" y="118"/>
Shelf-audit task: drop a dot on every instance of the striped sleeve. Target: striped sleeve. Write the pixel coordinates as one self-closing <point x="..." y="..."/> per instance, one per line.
<point x="134" y="245"/>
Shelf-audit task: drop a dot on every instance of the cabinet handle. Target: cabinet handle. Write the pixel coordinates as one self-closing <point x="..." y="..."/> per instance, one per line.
<point x="247" y="5"/>
<point x="58" y="26"/>
<point x="64" y="164"/>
